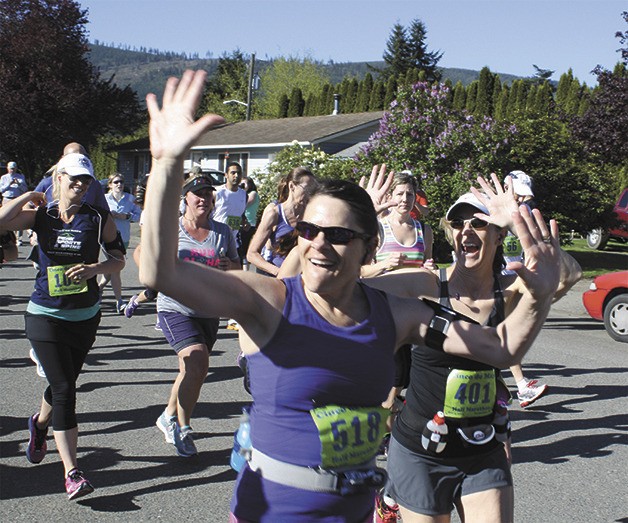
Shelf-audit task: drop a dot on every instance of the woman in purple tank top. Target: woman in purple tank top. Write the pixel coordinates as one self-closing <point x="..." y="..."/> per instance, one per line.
<point x="316" y="421"/>
<point x="279" y="219"/>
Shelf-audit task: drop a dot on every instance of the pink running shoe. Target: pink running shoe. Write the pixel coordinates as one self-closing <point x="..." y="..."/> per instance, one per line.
<point x="76" y="485"/>
<point x="37" y="446"/>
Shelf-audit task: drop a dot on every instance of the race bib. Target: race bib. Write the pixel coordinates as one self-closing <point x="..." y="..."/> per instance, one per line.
<point x="512" y="247"/>
<point x="349" y="435"/>
<point x="469" y="393"/>
<point x="234" y="222"/>
<point x="60" y="285"/>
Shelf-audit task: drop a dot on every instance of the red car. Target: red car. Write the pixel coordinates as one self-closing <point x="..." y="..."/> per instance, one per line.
<point x="597" y="238"/>
<point x="607" y="299"/>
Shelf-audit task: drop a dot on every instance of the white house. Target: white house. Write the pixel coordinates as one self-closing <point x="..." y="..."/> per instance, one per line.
<point x="255" y="143"/>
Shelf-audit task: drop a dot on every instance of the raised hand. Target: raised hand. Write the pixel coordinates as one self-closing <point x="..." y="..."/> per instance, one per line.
<point x="500" y="202"/>
<point x="172" y="128"/>
<point x="378" y="186"/>
<point x="541" y="270"/>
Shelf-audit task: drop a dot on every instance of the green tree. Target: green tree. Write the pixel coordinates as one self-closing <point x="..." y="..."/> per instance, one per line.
<point x="472" y="96"/>
<point x="420" y="58"/>
<point x="49" y="92"/>
<point x="229" y="82"/>
<point x="572" y="103"/>
<point x="282" y="77"/>
<point x="501" y="107"/>
<point x="562" y="91"/>
<point x="484" y="96"/>
<point x="376" y="101"/>
<point x="460" y="96"/>
<point x="391" y="91"/>
<point x="364" y="93"/>
<point x="284" y="104"/>
<point x="397" y="54"/>
<point x="297" y="103"/>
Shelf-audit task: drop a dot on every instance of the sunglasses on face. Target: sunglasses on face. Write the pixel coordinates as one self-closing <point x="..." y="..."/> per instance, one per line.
<point x="117" y="182"/>
<point x="334" y="235"/>
<point x="475" y="223"/>
<point x="83" y="178"/>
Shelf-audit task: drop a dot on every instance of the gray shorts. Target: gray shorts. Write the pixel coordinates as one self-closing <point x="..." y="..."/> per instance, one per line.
<point x="430" y="485"/>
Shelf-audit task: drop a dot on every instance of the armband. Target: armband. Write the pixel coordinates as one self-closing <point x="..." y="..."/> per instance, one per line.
<point x="116" y="245"/>
<point x="440" y="323"/>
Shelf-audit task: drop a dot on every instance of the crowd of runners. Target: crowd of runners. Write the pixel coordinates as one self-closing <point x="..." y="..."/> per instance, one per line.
<point x="354" y="342"/>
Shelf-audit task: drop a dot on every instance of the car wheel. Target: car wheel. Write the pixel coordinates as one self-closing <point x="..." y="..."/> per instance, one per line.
<point x="597" y="239"/>
<point x="616" y="318"/>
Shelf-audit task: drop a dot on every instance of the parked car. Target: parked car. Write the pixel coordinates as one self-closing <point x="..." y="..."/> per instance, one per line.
<point x="607" y="300"/>
<point x="597" y="238"/>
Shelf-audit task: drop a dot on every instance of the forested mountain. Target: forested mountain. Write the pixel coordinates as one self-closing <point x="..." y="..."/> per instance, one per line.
<point x="146" y="70"/>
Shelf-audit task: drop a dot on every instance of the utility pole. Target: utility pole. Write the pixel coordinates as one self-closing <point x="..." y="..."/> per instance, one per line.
<point x="249" y="96"/>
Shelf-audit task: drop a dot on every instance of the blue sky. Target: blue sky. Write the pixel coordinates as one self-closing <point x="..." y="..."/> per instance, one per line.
<point x="507" y="35"/>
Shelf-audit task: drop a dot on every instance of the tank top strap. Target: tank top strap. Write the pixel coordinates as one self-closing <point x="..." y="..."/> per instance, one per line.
<point x="444" y="289"/>
<point x="497" y="313"/>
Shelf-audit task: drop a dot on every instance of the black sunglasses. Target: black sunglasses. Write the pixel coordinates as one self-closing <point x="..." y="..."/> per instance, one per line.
<point x="85" y="179"/>
<point x="334" y="235"/>
<point x="117" y="182"/>
<point x="476" y="223"/>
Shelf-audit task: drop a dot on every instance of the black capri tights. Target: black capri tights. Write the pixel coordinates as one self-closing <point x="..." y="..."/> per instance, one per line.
<point x="61" y="347"/>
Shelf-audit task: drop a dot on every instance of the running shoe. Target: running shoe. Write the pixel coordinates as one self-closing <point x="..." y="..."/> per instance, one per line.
<point x="531" y="392"/>
<point x="233" y="325"/>
<point x="77" y="485"/>
<point x="158" y="325"/>
<point x="384" y="513"/>
<point x="166" y="424"/>
<point x="383" y="446"/>
<point x="37" y="446"/>
<point x="40" y="369"/>
<point x="183" y="441"/>
<point x="131" y="306"/>
<point x="120" y="306"/>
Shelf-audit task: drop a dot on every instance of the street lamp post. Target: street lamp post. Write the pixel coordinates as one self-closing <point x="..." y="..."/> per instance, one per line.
<point x="254" y="80"/>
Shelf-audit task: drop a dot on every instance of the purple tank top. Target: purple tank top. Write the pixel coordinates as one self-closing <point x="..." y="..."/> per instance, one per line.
<point x="310" y="363"/>
<point x="283" y="228"/>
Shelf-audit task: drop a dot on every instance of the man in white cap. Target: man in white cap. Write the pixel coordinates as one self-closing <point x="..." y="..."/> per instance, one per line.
<point x="12" y="185"/>
<point x="528" y="391"/>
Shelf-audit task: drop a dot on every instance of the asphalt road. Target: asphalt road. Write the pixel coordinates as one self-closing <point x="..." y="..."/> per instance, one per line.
<point x="569" y="449"/>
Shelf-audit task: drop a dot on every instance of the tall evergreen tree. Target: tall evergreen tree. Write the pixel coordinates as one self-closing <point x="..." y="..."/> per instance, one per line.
<point x="460" y="96"/>
<point x="564" y="84"/>
<point x="376" y="101"/>
<point x="364" y="93"/>
<point x="472" y="96"/>
<point x="229" y="82"/>
<point x="483" y="101"/>
<point x="397" y="54"/>
<point x="420" y="57"/>
<point x="501" y="107"/>
<point x="297" y="103"/>
<point x="572" y="103"/>
<point x="391" y="91"/>
<point x="284" y="105"/>
<point x="497" y="90"/>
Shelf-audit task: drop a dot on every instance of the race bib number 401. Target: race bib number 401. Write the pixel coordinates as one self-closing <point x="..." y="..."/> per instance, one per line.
<point x="349" y="435"/>
<point x="469" y="393"/>
<point x="60" y="285"/>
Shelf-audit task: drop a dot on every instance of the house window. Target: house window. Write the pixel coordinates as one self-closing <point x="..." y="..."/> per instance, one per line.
<point x="241" y="158"/>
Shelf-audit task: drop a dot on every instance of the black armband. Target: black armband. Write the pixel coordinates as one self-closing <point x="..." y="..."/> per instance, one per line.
<point x="440" y="323"/>
<point x="116" y="245"/>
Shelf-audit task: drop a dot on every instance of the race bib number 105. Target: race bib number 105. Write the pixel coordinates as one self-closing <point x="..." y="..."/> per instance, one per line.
<point x="349" y="435"/>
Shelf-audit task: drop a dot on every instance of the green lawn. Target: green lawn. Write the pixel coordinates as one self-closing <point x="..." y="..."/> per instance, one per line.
<point x="613" y="258"/>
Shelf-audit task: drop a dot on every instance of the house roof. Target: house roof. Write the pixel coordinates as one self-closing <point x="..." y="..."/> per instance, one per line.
<point x="277" y="132"/>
